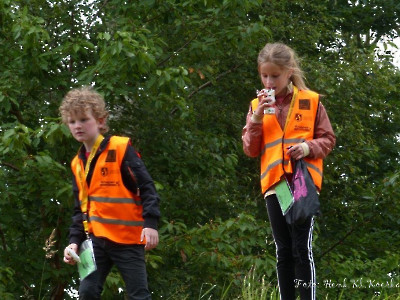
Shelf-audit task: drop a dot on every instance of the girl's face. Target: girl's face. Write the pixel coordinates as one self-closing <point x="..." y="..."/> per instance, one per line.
<point x="274" y="77"/>
<point x="85" y="128"/>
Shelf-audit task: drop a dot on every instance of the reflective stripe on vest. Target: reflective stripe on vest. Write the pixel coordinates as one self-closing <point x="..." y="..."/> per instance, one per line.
<point x="299" y="128"/>
<point x="114" y="211"/>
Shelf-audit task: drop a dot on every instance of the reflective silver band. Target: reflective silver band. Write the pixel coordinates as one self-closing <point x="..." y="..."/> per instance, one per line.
<point x="115" y="221"/>
<point x="293" y="141"/>
<point x="270" y="166"/>
<point x="115" y="200"/>
<point x="271" y="144"/>
<point x="314" y="168"/>
<point x="278" y="141"/>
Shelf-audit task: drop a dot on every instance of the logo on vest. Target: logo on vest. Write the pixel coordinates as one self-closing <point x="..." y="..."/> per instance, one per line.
<point x="109" y="183"/>
<point x="111" y="156"/>
<point x="104" y="171"/>
<point x="298" y="117"/>
<point x="302" y="128"/>
<point x="304" y="104"/>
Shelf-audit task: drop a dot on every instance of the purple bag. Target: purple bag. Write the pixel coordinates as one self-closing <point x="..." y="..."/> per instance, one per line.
<point x="306" y="202"/>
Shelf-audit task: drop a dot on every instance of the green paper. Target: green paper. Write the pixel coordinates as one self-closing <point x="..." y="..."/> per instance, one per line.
<point x="284" y="195"/>
<point x="88" y="263"/>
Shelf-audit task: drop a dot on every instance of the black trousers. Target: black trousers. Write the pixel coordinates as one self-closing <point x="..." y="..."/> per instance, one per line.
<point x="295" y="264"/>
<point x="130" y="261"/>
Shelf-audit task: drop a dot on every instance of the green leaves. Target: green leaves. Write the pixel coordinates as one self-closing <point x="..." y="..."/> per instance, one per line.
<point x="6" y="279"/>
<point x="216" y="251"/>
<point x="177" y="77"/>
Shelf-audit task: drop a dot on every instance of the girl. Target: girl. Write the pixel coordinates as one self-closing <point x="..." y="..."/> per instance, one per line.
<point x="295" y="126"/>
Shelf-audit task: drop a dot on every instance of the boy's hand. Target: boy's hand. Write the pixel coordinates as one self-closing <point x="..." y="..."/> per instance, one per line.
<point x="68" y="259"/>
<point x="151" y="236"/>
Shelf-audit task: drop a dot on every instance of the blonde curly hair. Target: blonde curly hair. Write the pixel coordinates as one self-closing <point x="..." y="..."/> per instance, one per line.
<point x="81" y="100"/>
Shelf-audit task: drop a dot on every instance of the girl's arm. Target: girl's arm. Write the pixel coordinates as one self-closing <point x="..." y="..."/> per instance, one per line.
<point x="324" y="137"/>
<point x="252" y="135"/>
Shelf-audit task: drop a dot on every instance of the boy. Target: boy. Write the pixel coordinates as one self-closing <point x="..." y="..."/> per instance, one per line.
<point x="116" y="204"/>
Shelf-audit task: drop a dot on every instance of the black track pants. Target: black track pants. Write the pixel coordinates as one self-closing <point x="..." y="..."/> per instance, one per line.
<point x="295" y="264"/>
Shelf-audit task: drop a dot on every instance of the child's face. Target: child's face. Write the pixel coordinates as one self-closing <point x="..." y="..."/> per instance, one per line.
<point x="274" y="77"/>
<point x="84" y="127"/>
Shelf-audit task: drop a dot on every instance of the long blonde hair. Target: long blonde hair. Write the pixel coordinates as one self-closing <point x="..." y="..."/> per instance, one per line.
<point x="285" y="57"/>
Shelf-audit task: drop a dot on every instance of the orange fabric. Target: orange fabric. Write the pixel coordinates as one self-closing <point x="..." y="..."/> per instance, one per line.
<point x="114" y="211"/>
<point x="299" y="128"/>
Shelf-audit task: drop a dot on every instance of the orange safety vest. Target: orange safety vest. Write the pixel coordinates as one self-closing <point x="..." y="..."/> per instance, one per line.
<point x="299" y="127"/>
<point x="114" y="211"/>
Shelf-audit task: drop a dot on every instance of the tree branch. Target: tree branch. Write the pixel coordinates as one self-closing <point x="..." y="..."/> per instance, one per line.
<point x="3" y="240"/>
<point x="9" y="165"/>
<point x="103" y="5"/>
<point x="188" y="42"/>
<point x="352" y="229"/>
<point x="216" y="79"/>
<point x="177" y="51"/>
<point x="15" y="111"/>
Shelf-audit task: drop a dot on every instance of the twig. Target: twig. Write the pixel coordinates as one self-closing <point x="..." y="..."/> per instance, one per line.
<point x="103" y="5"/>
<point x="216" y="79"/>
<point x="3" y="240"/>
<point x="177" y="51"/>
<point x="342" y="239"/>
<point x="9" y="165"/>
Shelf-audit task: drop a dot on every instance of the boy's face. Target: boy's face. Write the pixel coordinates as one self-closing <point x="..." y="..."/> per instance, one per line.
<point x="84" y="127"/>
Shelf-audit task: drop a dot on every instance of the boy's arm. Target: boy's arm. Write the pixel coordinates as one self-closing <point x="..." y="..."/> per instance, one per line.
<point x="76" y="231"/>
<point x="135" y="176"/>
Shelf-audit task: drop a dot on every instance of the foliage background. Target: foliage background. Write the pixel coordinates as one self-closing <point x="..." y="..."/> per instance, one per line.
<point x="178" y="77"/>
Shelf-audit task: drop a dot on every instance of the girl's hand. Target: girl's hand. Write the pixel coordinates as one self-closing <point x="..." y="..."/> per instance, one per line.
<point x="296" y="152"/>
<point x="263" y="102"/>
<point x="68" y="258"/>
